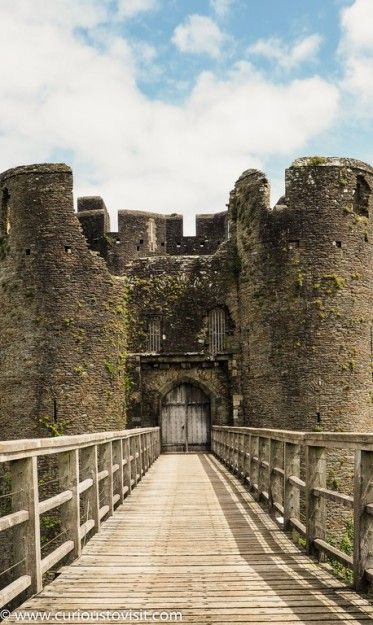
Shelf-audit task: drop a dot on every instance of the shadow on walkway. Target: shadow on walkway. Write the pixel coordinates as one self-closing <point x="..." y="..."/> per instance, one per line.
<point x="302" y="586"/>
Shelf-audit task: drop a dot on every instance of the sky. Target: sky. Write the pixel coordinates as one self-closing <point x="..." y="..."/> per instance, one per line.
<point x="160" y="105"/>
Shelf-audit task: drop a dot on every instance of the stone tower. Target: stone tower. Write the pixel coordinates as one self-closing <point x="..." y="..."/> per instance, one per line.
<point x="305" y="296"/>
<point x="58" y="322"/>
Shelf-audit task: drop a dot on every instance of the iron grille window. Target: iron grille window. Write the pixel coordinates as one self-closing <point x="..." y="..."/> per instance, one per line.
<point x="154" y="335"/>
<point x="217" y="330"/>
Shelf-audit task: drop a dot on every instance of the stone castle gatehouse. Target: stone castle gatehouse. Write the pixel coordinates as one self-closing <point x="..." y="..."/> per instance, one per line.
<point x="264" y="318"/>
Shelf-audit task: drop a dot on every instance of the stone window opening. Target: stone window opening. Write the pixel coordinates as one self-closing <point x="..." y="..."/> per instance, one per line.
<point x="337" y="244"/>
<point x="318" y="417"/>
<point x="4" y="216"/>
<point x="217" y="329"/>
<point x="138" y="248"/>
<point x="67" y="249"/>
<point x="28" y="251"/>
<point x="361" y="197"/>
<point x="141" y="242"/>
<point x="154" y="335"/>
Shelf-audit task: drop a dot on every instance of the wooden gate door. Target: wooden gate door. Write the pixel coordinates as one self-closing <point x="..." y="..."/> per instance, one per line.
<point x="185" y="419"/>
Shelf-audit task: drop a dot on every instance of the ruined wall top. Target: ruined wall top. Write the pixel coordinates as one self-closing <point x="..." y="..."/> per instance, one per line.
<point x="143" y="233"/>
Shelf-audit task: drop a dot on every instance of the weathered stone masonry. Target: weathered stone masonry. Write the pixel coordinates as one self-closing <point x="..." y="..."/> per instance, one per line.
<point x="62" y="336"/>
<point x="306" y="296"/>
<point x="294" y="283"/>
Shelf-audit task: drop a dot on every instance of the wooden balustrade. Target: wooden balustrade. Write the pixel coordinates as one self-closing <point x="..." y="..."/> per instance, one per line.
<point x="112" y="463"/>
<point x="269" y="461"/>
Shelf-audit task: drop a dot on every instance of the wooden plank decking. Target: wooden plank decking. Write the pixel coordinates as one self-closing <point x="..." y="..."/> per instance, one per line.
<point x="190" y="539"/>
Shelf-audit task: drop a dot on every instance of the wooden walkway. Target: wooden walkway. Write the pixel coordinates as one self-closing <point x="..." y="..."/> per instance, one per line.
<point x="190" y="539"/>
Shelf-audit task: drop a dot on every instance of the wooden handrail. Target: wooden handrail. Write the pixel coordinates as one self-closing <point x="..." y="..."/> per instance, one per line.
<point x="256" y="455"/>
<point x="124" y="457"/>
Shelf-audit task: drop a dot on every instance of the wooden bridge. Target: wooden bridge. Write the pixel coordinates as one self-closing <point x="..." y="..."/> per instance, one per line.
<point x="192" y="538"/>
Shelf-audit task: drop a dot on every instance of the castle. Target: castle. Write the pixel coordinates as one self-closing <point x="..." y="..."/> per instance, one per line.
<point x="264" y="318"/>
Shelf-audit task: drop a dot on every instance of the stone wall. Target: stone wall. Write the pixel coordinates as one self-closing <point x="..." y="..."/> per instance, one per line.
<point x="306" y="296"/>
<point x="143" y="234"/>
<point x="62" y="316"/>
<point x="180" y="292"/>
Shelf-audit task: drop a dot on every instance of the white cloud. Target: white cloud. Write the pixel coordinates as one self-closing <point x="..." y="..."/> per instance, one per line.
<point x="287" y="56"/>
<point x="221" y="7"/>
<point x="130" y="8"/>
<point x="357" y="53"/>
<point x="357" y="21"/>
<point x="59" y="95"/>
<point x="199" y="34"/>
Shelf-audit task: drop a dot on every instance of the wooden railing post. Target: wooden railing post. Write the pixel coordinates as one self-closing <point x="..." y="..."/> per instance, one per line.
<point x="145" y="444"/>
<point x="219" y="447"/>
<point x="236" y="445"/>
<point x="68" y="472"/>
<point x="275" y="461"/>
<point x="142" y="454"/>
<point x="363" y="519"/>
<point x="136" y="458"/>
<point x="315" y="506"/>
<point x="159" y="443"/>
<point x="148" y="439"/>
<point x="106" y="485"/>
<point x="118" y="480"/>
<point x="213" y="439"/>
<point x="262" y="455"/>
<point x="246" y="466"/>
<point x="90" y="468"/>
<point x="254" y="469"/>
<point x="229" y="448"/>
<point x="24" y="486"/>
<point x="127" y="466"/>
<point x="153" y="438"/>
<point x="225" y="446"/>
<point x="291" y="492"/>
<point x="241" y="457"/>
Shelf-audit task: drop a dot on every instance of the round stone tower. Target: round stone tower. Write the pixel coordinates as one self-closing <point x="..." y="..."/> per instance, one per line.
<point x="306" y="296"/>
<point x="58" y="323"/>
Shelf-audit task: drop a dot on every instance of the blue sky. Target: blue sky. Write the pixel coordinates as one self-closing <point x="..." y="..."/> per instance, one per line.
<point x="161" y="104"/>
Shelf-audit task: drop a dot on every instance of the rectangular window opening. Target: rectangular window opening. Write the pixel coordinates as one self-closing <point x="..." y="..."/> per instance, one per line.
<point x="154" y="335"/>
<point x="217" y="330"/>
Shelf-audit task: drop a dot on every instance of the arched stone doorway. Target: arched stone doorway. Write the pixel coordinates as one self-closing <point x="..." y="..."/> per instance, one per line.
<point x="185" y="418"/>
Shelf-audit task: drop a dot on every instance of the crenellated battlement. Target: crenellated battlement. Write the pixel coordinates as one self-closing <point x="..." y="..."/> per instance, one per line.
<point x="142" y="233"/>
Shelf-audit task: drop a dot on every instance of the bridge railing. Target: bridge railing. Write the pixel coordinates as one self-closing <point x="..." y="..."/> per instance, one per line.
<point x="270" y="462"/>
<point x="103" y="468"/>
